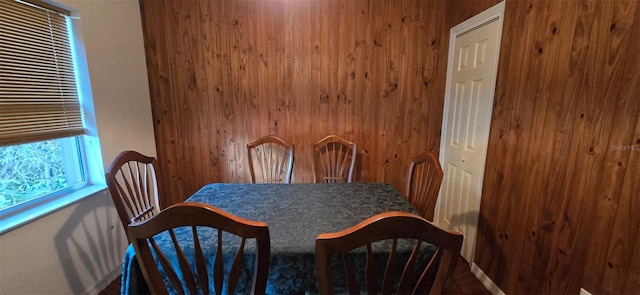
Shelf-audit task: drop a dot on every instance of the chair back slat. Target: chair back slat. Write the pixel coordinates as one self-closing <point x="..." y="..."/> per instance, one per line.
<point x="349" y="275"/>
<point x="184" y="265"/>
<point x="389" y="271"/>
<point x="218" y="266"/>
<point x="200" y="260"/>
<point x="136" y="190"/>
<point x="166" y="266"/>
<point x="234" y="274"/>
<point x="425" y="278"/>
<point x="419" y="234"/>
<point x="185" y="224"/>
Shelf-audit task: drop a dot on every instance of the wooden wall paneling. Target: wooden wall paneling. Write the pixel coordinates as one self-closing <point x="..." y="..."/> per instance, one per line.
<point x="317" y="99"/>
<point x="257" y="122"/>
<point x="427" y="103"/>
<point x="618" y="197"/>
<point x="566" y="113"/>
<point x="174" y="97"/>
<point x="346" y="32"/>
<point x="212" y="22"/>
<point x="173" y="104"/>
<point x="232" y="90"/>
<point x="407" y="55"/>
<point x="277" y="18"/>
<point x="338" y="56"/>
<point x="543" y="215"/>
<point x="520" y="204"/>
<point x="375" y="116"/>
<point x="597" y="114"/>
<point x="196" y="90"/>
<point x="415" y="49"/>
<point x="195" y="102"/>
<point x="189" y="94"/>
<point x="310" y="99"/>
<point x="157" y="36"/>
<point x="618" y="202"/>
<point x="236" y="18"/>
<point x="391" y="96"/>
<point x="232" y="117"/>
<point x="350" y="99"/>
<point x="213" y="89"/>
<point x="321" y="32"/>
<point x="202" y="43"/>
<point x="264" y="72"/>
<point x="301" y="87"/>
<point x="178" y="94"/>
<point x="610" y="200"/>
<point x="278" y="113"/>
<point x="361" y="100"/>
<point x="533" y="120"/>
<point x="623" y="257"/>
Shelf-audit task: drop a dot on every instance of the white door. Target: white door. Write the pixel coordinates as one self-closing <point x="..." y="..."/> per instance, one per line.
<point x="471" y="78"/>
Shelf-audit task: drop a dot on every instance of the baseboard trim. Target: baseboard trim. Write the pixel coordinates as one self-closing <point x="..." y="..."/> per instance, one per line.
<point x="485" y="280"/>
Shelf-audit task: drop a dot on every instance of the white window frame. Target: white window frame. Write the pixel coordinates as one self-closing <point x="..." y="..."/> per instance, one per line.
<point x="89" y="146"/>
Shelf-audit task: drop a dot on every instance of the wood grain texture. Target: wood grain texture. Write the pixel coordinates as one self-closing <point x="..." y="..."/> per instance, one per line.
<point x="224" y="73"/>
<point x="561" y="192"/>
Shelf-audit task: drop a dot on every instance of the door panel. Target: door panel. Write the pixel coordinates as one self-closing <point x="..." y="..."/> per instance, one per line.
<point x="467" y="117"/>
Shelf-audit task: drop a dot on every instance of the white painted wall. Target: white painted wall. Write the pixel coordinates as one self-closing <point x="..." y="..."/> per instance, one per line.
<point x="79" y="249"/>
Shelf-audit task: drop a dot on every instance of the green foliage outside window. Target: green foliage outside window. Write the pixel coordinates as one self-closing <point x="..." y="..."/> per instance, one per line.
<point x="29" y="171"/>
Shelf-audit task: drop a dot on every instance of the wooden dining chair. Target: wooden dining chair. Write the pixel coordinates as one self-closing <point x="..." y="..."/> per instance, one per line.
<point x="423" y="183"/>
<point x="270" y="160"/>
<point x="390" y="226"/>
<point x="195" y="267"/>
<point x="133" y="180"/>
<point x="334" y="159"/>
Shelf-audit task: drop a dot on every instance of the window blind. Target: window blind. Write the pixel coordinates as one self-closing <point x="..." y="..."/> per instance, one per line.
<point x="38" y="93"/>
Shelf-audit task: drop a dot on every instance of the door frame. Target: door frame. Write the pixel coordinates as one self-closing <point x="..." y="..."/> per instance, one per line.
<point x="496" y="13"/>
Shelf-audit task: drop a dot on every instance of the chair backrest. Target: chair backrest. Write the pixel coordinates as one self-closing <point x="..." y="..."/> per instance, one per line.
<point x="334" y="159"/>
<point x="390" y="226"/>
<point x="187" y="223"/>
<point x="134" y="184"/>
<point x="423" y="183"/>
<point x="270" y="160"/>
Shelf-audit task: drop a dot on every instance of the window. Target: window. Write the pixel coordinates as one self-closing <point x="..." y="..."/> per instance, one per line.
<point x="32" y="170"/>
<point x="47" y="153"/>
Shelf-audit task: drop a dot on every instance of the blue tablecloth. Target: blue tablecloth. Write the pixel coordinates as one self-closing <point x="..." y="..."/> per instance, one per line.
<point x="295" y="214"/>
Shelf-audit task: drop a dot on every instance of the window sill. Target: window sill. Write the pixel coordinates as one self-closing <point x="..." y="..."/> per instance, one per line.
<point x="17" y="220"/>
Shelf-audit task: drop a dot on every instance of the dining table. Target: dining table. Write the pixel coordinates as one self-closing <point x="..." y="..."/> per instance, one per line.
<point x="295" y="214"/>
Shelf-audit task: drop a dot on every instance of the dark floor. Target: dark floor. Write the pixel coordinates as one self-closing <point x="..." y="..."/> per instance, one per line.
<point x="463" y="282"/>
